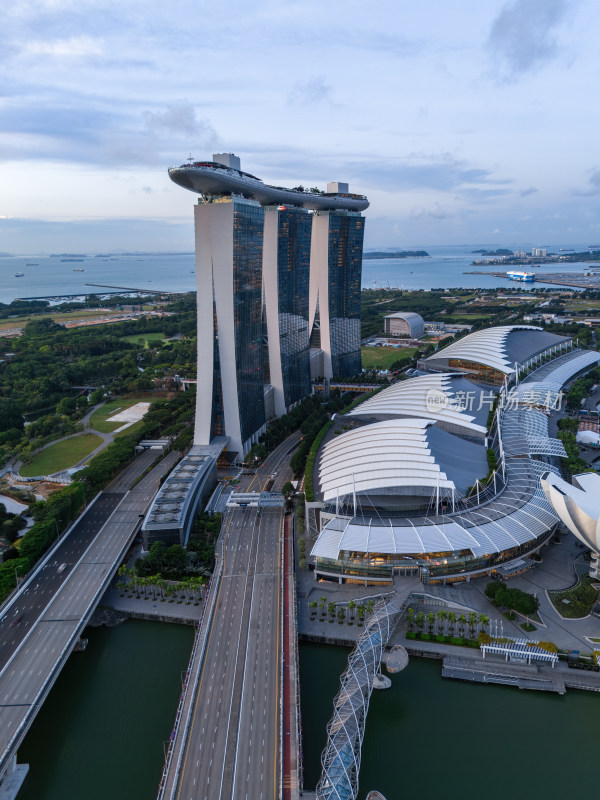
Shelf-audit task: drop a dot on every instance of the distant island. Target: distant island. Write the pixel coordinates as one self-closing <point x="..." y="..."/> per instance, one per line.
<point x="501" y="251"/>
<point x="397" y="254"/>
<point x="551" y="258"/>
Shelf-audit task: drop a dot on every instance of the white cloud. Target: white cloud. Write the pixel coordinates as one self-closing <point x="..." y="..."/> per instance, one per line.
<point x="76" y="47"/>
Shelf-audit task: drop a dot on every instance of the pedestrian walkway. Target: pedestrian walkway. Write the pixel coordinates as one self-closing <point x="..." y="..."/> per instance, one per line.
<point x="151" y="606"/>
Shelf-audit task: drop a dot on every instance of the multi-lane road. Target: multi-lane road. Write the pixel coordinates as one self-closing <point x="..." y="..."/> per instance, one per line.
<point x="43" y="584"/>
<point x="228" y="743"/>
<point x="232" y="745"/>
<point x="55" y="604"/>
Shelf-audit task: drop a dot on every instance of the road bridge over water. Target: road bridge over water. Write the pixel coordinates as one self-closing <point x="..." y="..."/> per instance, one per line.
<point x="232" y="739"/>
<point x="44" y="620"/>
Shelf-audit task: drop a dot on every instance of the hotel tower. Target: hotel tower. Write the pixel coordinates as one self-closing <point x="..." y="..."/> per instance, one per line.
<point x="275" y="268"/>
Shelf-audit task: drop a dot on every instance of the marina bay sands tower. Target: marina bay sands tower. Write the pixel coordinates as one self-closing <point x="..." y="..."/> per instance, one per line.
<point x="274" y="268"/>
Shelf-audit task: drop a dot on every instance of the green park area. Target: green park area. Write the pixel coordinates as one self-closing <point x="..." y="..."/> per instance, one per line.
<point x="99" y="419"/>
<point x="61" y="455"/>
<point x="146" y="338"/>
<point x="466" y="319"/>
<point x="384" y="357"/>
<point x="66" y="316"/>
<point x="576" y="602"/>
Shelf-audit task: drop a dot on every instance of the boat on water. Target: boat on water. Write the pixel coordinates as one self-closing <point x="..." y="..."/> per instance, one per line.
<point x="19" y="274"/>
<point x="32" y="264"/>
<point x="71" y="259"/>
<point x="517" y="275"/>
<point x="77" y="269"/>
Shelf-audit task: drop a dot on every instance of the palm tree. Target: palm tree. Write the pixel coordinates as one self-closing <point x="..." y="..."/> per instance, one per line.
<point x="483" y="621"/>
<point x="197" y="584"/>
<point x="472" y="622"/>
<point x="430" y="621"/>
<point x="331" y="609"/>
<point x="420" y="620"/>
<point x="351" y="607"/>
<point x="136" y="586"/>
<point x="341" y="614"/>
<point x="410" y="618"/>
<point x="313" y="607"/>
<point x="462" y="621"/>
<point x="452" y="621"/>
<point x="322" y="602"/>
<point x="442" y="617"/>
<point x="369" y="607"/>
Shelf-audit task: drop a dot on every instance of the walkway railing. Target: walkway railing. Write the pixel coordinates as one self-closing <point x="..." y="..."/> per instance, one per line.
<point x="340" y="761"/>
<point x="200" y="643"/>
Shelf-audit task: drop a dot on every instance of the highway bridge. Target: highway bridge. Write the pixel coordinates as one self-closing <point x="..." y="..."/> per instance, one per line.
<point x="233" y="738"/>
<point x="42" y="623"/>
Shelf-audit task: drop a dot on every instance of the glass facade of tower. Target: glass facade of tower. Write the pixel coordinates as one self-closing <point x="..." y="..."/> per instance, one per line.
<point x="346" y="233"/>
<point x="293" y="276"/>
<point x="248" y="221"/>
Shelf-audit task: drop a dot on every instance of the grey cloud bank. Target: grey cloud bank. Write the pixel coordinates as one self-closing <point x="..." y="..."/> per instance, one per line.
<point x="456" y="119"/>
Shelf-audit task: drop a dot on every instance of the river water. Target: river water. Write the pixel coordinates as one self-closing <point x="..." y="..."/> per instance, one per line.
<point x="45" y="275"/>
<point x="100" y="734"/>
<point x="430" y="738"/>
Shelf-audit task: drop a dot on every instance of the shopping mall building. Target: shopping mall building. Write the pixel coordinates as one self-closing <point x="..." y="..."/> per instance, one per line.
<point x="440" y="474"/>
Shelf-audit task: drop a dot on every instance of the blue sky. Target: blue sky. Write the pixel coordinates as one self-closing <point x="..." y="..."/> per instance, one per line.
<point x="463" y="121"/>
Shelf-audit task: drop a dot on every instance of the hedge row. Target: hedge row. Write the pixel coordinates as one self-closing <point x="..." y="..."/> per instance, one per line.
<point x="310" y="462"/>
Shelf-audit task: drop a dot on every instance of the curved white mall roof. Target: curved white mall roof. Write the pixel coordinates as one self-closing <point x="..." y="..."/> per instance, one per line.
<point x="384" y="455"/>
<point x="514" y="518"/>
<point x="430" y="397"/>
<point x="542" y="386"/>
<point x="488" y="346"/>
<point x="577" y="506"/>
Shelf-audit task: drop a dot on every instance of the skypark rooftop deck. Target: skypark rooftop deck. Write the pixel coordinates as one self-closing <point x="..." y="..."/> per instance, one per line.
<point x="209" y="179"/>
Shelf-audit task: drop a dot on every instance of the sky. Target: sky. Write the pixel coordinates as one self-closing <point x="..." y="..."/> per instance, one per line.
<point x="463" y="121"/>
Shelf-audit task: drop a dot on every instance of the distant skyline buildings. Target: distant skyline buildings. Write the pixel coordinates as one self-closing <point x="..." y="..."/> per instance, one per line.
<point x="278" y="272"/>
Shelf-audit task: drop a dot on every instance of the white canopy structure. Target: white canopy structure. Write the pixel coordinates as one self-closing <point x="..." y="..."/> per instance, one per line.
<point x="398" y="454"/>
<point x="456" y="404"/>
<point x="512" y="516"/>
<point x="497" y="348"/>
<point x="543" y="386"/>
<point x="516" y="517"/>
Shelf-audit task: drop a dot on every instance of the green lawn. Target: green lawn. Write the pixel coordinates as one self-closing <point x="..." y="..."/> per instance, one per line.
<point x="98" y="420"/>
<point x="61" y="455"/>
<point x="145" y="337"/>
<point x="383" y="357"/>
<point x="581" y="598"/>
